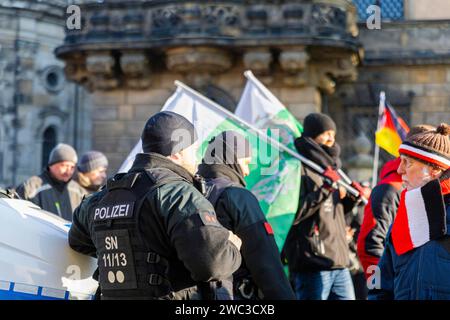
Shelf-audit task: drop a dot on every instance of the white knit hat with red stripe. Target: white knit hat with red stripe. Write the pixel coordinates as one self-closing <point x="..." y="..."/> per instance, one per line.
<point x="431" y="146"/>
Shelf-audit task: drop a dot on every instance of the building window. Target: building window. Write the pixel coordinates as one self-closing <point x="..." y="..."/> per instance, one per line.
<point x="390" y="9"/>
<point x="53" y="79"/>
<point x="48" y="143"/>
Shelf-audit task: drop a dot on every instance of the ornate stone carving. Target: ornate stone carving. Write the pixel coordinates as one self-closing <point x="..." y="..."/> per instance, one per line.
<point x="329" y="16"/>
<point x="136" y="69"/>
<point x="294" y="60"/>
<point x="196" y="18"/>
<point x="100" y="63"/>
<point x="258" y="60"/>
<point x="315" y="41"/>
<point x="101" y="70"/>
<point x="75" y="69"/>
<point x="134" y="64"/>
<point x="198" y="60"/>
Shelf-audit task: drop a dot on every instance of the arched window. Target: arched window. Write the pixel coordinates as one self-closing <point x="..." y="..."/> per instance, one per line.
<point x="48" y="143"/>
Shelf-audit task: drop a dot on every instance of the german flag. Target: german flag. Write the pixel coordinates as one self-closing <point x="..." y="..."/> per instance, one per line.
<point x="392" y="131"/>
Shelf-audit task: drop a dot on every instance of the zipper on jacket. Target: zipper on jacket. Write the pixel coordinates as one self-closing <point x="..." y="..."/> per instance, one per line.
<point x="318" y="244"/>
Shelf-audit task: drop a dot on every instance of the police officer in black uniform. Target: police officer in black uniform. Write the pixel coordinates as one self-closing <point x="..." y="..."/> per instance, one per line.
<point x="154" y="234"/>
<point x="224" y="166"/>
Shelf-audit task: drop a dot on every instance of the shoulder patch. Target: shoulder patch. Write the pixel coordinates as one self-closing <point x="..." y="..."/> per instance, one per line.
<point x="268" y="228"/>
<point x="209" y="218"/>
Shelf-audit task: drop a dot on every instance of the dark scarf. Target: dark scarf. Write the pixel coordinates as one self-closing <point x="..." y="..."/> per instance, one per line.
<point x="322" y="155"/>
<point x="421" y="215"/>
<point x="220" y="170"/>
<point x="154" y="160"/>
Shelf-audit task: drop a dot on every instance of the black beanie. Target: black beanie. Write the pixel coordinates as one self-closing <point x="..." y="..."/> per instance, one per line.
<point x="317" y="123"/>
<point x="226" y="148"/>
<point x="167" y="133"/>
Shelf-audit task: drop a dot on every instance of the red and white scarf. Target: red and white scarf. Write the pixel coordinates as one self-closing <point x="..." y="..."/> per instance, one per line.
<point x="421" y="216"/>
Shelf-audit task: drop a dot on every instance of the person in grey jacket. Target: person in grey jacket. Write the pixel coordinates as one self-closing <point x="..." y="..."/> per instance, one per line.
<point x="53" y="190"/>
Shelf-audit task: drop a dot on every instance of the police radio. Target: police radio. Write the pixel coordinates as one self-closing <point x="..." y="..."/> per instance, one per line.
<point x="200" y="184"/>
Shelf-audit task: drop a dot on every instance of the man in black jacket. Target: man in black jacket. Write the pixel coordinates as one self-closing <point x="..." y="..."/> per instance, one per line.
<point x="154" y="234"/>
<point x="224" y="167"/>
<point x="316" y="247"/>
<point x="54" y="190"/>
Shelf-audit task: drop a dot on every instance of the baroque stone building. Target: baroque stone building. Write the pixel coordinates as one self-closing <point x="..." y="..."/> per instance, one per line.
<point x="128" y="54"/>
<point x="38" y="107"/>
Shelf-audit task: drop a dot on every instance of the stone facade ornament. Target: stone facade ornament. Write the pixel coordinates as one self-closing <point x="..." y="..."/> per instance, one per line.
<point x="294" y="62"/>
<point x="258" y="60"/>
<point x="136" y="68"/>
<point x="197" y="59"/>
<point x="101" y="67"/>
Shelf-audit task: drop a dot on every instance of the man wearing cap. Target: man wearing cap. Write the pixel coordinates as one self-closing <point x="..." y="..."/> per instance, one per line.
<point x="415" y="263"/>
<point x="154" y="234"/>
<point x="53" y="190"/>
<point x="91" y="171"/>
<point x="224" y="166"/>
<point x="316" y="247"/>
<point x="381" y="209"/>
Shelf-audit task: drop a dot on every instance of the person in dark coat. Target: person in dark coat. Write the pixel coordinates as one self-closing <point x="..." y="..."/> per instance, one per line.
<point x="224" y="167"/>
<point x="54" y="190"/>
<point x="154" y="234"/>
<point x="316" y="247"/>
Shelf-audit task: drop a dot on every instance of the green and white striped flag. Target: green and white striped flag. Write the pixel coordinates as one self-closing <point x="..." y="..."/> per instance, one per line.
<point x="278" y="193"/>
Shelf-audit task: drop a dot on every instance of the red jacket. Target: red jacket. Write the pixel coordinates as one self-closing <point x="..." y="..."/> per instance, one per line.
<point x="379" y="214"/>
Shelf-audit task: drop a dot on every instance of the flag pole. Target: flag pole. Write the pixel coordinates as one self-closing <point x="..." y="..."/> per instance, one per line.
<point x="280" y="146"/>
<point x="250" y="76"/>
<point x="377" y="147"/>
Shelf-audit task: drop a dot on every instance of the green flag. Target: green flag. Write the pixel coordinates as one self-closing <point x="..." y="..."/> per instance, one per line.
<point x="278" y="192"/>
<point x="269" y="167"/>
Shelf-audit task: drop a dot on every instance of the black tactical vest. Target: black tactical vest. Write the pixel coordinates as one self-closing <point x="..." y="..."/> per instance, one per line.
<point x="129" y="268"/>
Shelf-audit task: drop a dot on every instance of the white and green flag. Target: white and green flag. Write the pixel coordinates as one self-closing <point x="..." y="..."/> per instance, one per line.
<point x="277" y="193"/>
<point x="270" y="167"/>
